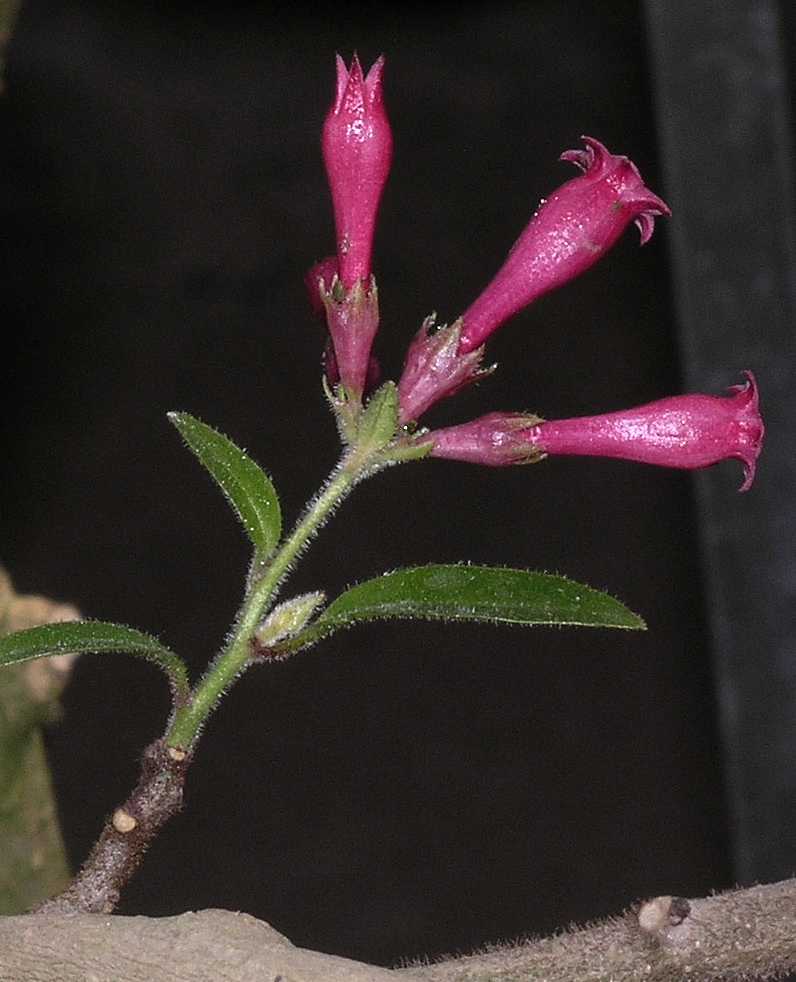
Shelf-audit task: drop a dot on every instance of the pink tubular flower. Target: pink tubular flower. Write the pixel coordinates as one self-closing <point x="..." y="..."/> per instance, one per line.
<point x="357" y="150"/>
<point x="576" y="225"/>
<point x="690" y="431"/>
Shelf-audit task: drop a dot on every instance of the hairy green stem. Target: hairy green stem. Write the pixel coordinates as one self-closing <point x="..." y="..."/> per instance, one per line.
<point x="189" y="719"/>
<point x="159" y="793"/>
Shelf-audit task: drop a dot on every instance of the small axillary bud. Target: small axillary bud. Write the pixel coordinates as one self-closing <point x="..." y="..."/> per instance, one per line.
<point x="288" y="618"/>
<point x="659" y="915"/>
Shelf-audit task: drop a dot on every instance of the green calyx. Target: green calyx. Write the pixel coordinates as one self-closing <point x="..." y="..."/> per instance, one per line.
<point x="378" y="423"/>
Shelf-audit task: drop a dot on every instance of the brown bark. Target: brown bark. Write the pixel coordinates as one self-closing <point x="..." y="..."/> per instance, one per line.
<point x="741" y="935"/>
<point x="127" y="835"/>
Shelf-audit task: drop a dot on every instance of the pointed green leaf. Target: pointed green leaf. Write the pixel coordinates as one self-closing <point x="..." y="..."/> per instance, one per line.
<point x="247" y="487"/>
<point x="471" y="593"/>
<point x="98" y="636"/>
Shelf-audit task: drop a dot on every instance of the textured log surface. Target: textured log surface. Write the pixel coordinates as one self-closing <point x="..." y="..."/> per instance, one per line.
<point x="206" y="946"/>
<point x="741" y="935"/>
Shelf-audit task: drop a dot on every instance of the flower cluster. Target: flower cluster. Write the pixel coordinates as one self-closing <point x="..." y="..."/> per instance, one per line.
<point x="571" y="230"/>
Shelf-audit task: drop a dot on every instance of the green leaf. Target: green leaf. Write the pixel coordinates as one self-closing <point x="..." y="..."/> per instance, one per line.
<point x="247" y="487"/>
<point x="79" y="636"/>
<point x="471" y="593"/>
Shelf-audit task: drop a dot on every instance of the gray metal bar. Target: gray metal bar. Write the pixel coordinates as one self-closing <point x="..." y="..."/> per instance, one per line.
<point x="720" y="84"/>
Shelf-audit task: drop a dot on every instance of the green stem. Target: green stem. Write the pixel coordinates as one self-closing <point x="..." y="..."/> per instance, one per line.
<point x="189" y="719"/>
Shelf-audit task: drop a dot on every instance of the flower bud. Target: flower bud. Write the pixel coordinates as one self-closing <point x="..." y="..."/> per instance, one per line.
<point x="357" y="151"/>
<point x="690" y="431"/>
<point x="571" y="230"/>
<point x="288" y="618"/>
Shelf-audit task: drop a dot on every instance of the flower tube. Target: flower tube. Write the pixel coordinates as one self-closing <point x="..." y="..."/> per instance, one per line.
<point x="571" y="230"/>
<point x="689" y="431"/>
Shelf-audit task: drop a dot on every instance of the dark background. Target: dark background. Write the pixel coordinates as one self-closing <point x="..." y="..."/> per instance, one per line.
<point x="402" y="789"/>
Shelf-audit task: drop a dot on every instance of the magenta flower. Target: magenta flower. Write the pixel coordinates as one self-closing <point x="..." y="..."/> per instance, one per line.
<point x="357" y="150"/>
<point x="571" y="230"/>
<point x="690" y="431"/>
